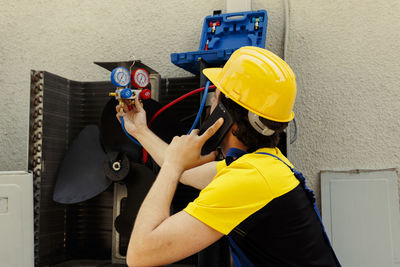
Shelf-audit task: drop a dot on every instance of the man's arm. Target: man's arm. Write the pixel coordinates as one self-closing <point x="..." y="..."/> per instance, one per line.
<point x="158" y="238"/>
<point x="199" y="177"/>
<point x="136" y="125"/>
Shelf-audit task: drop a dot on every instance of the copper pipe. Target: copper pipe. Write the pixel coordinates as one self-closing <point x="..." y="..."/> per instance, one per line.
<point x="38" y="100"/>
<point x="39" y="148"/>
<point x="37" y="88"/>
<point x="37" y="76"/>
<point x="37" y="137"/>
<point x="37" y="173"/>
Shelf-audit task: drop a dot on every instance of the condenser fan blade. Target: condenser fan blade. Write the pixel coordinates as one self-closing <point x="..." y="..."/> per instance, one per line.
<point x="81" y="175"/>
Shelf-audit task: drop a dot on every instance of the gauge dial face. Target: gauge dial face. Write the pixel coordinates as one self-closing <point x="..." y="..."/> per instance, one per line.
<point x="120" y="77"/>
<point x="140" y="78"/>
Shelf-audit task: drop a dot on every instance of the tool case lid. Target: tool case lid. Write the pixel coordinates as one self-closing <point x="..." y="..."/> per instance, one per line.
<point x="221" y="35"/>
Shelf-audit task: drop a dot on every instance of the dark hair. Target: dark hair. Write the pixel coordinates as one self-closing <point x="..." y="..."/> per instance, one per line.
<point x="246" y="133"/>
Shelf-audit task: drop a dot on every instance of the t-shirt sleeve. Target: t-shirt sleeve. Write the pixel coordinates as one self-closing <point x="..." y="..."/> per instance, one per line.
<point x="220" y="165"/>
<point x="234" y="194"/>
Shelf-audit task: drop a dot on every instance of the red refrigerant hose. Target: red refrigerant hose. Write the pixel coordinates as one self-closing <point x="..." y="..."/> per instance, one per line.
<point x="161" y="110"/>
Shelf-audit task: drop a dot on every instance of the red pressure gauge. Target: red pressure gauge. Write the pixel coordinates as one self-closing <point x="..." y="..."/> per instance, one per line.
<point x="140" y="78"/>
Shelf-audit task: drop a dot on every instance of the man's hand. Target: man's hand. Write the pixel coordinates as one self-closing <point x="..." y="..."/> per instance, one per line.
<point x="158" y="238"/>
<point x="184" y="152"/>
<point x="135" y="119"/>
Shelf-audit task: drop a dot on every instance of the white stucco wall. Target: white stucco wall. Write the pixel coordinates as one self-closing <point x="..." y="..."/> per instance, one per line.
<point x="65" y="37"/>
<point x="345" y="55"/>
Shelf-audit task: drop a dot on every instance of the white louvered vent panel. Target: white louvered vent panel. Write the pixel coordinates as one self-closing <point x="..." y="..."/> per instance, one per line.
<point x="16" y="219"/>
<point x="360" y="210"/>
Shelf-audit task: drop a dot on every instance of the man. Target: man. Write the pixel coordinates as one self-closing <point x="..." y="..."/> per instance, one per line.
<point x="253" y="196"/>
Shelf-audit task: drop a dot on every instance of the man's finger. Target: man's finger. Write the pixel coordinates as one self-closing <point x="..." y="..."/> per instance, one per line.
<point x="126" y="101"/>
<point x="194" y="132"/>
<point x="212" y="129"/>
<point x="138" y="105"/>
<point x="123" y="106"/>
<point x="119" y="115"/>
<point x="134" y="109"/>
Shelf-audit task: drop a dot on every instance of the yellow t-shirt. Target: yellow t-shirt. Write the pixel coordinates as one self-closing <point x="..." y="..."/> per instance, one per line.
<point x="241" y="189"/>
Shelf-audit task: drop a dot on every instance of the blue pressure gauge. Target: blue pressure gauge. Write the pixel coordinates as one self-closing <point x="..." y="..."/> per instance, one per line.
<point x="120" y="77"/>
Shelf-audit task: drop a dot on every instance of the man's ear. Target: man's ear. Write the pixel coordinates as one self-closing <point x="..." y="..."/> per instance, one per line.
<point x="234" y="128"/>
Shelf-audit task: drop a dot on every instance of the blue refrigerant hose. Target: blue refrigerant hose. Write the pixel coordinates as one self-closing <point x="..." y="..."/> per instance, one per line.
<point x="127" y="134"/>
<point x="203" y="103"/>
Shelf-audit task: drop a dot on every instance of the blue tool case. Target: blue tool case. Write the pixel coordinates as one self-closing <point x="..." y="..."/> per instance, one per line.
<point x="221" y="36"/>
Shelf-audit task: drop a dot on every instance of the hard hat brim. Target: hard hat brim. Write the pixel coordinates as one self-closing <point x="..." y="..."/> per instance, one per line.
<point x="213" y="73"/>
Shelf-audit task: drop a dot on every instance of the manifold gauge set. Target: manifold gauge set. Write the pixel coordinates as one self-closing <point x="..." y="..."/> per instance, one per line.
<point x="139" y="79"/>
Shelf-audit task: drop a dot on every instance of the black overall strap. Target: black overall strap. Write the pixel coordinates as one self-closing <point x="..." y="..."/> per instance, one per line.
<point x="310" y="195"/>
<point x="302" y="180"/>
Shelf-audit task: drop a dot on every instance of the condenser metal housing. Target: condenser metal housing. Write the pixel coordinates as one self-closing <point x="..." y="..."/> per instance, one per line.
<point x="76" y="234"/>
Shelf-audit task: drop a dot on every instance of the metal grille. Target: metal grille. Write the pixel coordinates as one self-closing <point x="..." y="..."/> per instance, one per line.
<point x="60" y="108"/>
<point x="172" y="88"/>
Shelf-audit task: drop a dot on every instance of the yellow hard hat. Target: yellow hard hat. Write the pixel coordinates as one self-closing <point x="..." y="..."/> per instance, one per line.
<point x="259" y="81"/>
